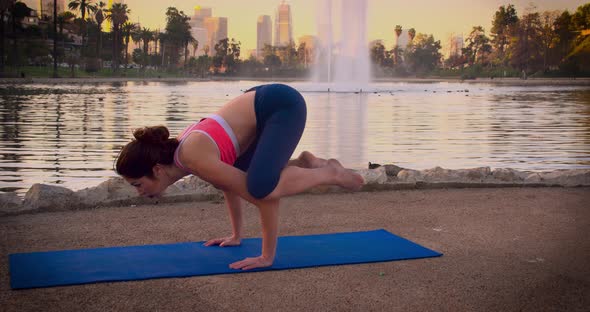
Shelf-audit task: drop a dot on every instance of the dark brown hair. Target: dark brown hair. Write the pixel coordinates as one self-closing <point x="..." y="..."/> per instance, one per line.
<point x="151" y="146"/>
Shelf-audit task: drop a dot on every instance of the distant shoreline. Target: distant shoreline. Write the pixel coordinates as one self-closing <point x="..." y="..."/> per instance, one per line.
<point x="499" y="81"/>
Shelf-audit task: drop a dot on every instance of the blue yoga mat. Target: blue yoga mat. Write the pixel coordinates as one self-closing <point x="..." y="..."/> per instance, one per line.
<point x="83" y="266"/>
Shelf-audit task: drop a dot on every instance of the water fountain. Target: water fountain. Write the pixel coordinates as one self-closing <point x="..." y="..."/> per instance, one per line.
<point x="342" y="65"/>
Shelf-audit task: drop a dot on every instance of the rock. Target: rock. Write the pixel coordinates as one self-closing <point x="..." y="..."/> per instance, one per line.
<point x="392" y="170"/>
<point x="374" y="165"/>
<point x="9" y="202"/>
<point x="193" y="184"/>
<point x="474" y="174"/>
<point x="573" y="177"/>
<point x="439" y="174"/>
<point x="508" y="175"/>
<point x="373" y="176"/>
<point x="117" y="189"/>
<point x="409" y="175"/>
<point x="533" y="177"/>
<point x="49" y="198"/>
<point x="93" y="196"/>
<point x="436" y="174"/>
<point x="114" y="189"/>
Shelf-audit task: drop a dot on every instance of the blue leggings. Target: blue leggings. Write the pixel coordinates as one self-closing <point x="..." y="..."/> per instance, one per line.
<point x="280" y="119"/>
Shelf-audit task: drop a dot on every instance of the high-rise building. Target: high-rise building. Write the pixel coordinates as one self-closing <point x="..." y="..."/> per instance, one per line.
<point x="283" y="25"/>
<point x="216" y="30"/>
<point x="263" y="34"/>
<point x="198" y="29"/>
<point x="198" y="19"/>
<point x="455" y="45"/>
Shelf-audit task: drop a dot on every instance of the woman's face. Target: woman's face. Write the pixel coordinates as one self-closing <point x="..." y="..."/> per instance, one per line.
<point x="148" y="187"/>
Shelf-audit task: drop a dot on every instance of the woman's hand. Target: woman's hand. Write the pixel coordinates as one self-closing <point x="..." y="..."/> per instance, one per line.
<point x="224" y="242"/>
<point x="252" y="263"/>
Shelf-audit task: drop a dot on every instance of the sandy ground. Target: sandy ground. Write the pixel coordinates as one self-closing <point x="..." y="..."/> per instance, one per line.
<point x="512" y="249"/>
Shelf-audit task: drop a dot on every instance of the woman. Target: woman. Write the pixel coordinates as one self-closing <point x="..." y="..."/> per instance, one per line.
<point x="244" y="150"/>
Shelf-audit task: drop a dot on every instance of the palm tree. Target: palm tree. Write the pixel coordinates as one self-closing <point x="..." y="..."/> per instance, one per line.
<point x="156" y="40"/>
<point x="55" y="39"/>
<point x="162" y="38"/>
<point x="188" y="39"/>
<point x="398" y="31"/>
<point x="99" y="16"/>
<point x="62" y="19"/>
<point x="146" y="35"/>
<point x="396" y="49"/>
<point x="127" y="29"/>
<point x="136" y="36"/>
<point x="117" y="14"/>
<point x="85" y="7"/>
<point x="5" y="6"/>
<point x="195" y="45"/>
<point x="412" y="34"/>
<point x="18" y="12"/>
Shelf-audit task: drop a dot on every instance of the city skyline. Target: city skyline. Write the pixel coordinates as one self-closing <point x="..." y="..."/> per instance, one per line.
<point x="382" y="16"/>
<point x="423" y="16"/>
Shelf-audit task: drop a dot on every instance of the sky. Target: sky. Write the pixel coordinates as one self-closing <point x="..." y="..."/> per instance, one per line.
<point x="436" y="17"/>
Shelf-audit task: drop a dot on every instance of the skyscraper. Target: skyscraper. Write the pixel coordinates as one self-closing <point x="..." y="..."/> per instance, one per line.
<point x="283" y="25"/>
<point x="264" y="34"/>
<point x="455" y="45"/>
<point x="198" y="20"/>
<point x="198" y="29"/>
<point x="216" y="30"/>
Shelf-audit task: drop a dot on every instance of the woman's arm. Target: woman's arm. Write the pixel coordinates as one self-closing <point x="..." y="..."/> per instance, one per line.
<point x="234" y="206"/>
<point x="232" y="180"/>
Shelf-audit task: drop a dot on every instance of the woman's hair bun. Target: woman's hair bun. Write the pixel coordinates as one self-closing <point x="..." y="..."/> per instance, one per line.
<point x="152" y="135"/>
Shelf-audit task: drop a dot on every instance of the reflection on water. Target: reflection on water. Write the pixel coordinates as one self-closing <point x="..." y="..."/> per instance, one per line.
<point x="70" y="134"/>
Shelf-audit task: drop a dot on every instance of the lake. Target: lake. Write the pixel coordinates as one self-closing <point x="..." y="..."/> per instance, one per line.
<point x="70" y="134"/>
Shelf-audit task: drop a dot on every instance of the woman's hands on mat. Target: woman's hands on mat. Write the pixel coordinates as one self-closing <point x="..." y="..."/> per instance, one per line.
<point x="246" y="264"/>
<point x="224" y="241"/>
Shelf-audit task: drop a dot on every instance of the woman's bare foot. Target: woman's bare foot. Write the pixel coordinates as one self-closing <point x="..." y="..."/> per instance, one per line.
<point x="308" y="160"/>
<point x="346" y="178"/>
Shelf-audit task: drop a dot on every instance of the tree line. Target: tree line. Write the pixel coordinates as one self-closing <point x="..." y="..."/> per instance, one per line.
<point x="550" y="43"/>
<point x="535" y="43"/>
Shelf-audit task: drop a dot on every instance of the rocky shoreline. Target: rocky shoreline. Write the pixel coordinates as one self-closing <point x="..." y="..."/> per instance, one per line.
<point x="116" y="192"/>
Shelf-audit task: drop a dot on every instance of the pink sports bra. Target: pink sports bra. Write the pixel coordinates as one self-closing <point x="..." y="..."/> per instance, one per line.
<point x="219" y="131"/>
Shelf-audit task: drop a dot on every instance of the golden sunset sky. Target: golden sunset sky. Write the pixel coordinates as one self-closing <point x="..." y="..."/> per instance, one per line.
<point x="437" y="17"/>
